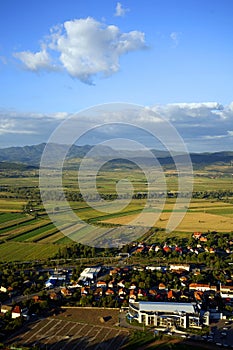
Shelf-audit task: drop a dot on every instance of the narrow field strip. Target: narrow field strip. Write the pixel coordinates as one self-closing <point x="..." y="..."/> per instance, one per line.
<point x="7" y="219"/>
<point x="17" y="227"/>
<point x="22" y="233"/>
<point x="52" y="238"/>
<point x="38" y="237"/>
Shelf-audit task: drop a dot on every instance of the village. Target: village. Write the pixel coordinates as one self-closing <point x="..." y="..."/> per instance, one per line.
<point x="176" y="296"/>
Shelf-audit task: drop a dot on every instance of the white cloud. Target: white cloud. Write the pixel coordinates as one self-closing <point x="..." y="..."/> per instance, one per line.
<point x="8" y="126"/>
<point x="18" y="124"/>
<point x="35" y="61"/>
<point x="205" y="126"/>
<point x="187" y="111"/>
<point x="120" y="10"/>
<point x="175" y="36"/>
<point x="85" y="47"/>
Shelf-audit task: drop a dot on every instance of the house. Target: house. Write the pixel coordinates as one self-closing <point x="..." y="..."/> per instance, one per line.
<point x="54" y="296"/>
<point x="132" y="296"/>
<point x="226" y="291"/>
<point x="198" y="295"/>
<point x="197" y="235"/>
<point x="171" y="295"/>
<point x="17" y="311"/>
<point x="121" y="292"/>
<point x="152" y="292"/>
<point x="98" y="292"/>
<point x="183" y="267"/>
<point x="162" y="286"/>
<point x="121" y="284"/>
<point x="178" y="250"/>
<point x="166" y="249"/>
<point x="212" y="250"/>
<point x="101" y="284"/>
<point x="84" y="291"/>
<point x="115" y="271"/>
<point x="66" y="292"/>
<point x="109" y="291"/>
<point x="6" y="308"/>
<point x="133" y="286"/>
<point x="111" y="284"/>
<point x="202" y="287"/>
<point x="183" y="279"/>
<point x="139" y="250"/>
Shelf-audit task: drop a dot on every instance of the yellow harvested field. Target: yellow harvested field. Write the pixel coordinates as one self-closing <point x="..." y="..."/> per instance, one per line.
<point x="191" y="221"/>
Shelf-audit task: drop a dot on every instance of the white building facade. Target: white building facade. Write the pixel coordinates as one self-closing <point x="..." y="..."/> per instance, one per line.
<point x="167" y="314"/>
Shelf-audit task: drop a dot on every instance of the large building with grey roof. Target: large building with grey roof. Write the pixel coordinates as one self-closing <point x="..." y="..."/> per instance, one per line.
<point x="168" y="314"/>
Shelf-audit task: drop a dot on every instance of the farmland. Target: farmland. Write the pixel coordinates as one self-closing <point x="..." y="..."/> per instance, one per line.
<point x="206" y="216"/>
<point x="30" y="234"/>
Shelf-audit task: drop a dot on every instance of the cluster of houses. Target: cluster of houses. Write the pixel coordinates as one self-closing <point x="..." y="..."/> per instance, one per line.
<point x="199" y="246"/>
<point x="123" y="289"/>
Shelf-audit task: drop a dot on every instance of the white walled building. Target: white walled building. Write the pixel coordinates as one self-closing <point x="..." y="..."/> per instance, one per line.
<point x="90" y="273"/>
<point x="226" y="291"/>
<point x="166" y="314"/>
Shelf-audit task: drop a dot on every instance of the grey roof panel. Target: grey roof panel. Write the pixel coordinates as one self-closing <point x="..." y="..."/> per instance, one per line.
<point x="166" y="307"/>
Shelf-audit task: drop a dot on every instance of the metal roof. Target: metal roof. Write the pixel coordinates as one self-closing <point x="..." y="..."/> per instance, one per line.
<point x="166" y="307"/>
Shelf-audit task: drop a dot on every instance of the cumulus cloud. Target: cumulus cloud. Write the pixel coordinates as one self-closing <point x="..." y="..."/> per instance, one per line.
<point x="85" y="48"/>
<point x="203" y="126"/>
<point x="35" y="61"/>
<point x="120" y="10"/>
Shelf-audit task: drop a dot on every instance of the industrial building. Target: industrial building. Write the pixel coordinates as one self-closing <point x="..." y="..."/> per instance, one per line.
<point x="168" y="314"/>
<point x="90" y="273"/>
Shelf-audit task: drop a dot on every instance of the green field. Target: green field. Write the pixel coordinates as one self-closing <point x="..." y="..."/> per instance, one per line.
<point x="11" y="251"/>
<point x="28" y="236"/>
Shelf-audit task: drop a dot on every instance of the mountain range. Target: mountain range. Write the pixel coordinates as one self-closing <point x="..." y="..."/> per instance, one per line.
<point x="31" y="155"/>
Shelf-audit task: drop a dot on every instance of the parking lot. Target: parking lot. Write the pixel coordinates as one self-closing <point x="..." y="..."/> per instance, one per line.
<point x="221" y="334"/>
<point x="52" y="333"/>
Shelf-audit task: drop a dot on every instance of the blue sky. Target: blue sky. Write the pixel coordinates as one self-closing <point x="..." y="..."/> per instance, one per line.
<point x="58" y="57"/>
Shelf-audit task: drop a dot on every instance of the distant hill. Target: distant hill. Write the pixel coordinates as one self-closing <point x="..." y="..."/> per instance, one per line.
<point x="31" y="155"/>
<point x="16" y="166"/>
<point x="202" y="159"/>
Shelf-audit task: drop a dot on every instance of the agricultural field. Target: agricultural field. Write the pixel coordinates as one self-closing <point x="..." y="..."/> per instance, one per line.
<point x="75" y="329"/>
<point x="202" y="215"/>
<point x="32" y="235"/>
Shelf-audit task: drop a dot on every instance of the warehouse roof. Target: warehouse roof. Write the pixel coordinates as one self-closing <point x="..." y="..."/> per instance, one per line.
<point x="166" y="307"/>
